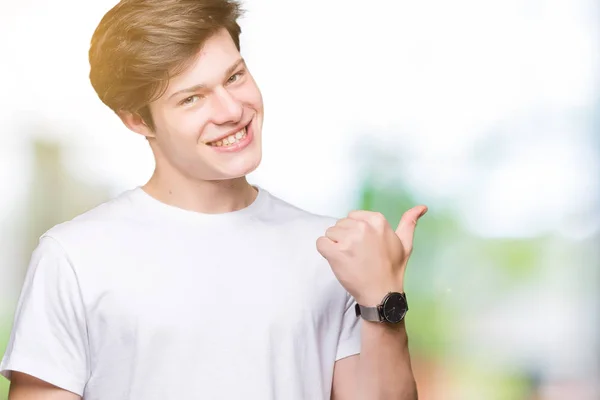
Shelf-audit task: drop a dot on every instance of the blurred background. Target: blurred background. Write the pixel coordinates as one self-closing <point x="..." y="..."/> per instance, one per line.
<point x="486" y="111"/>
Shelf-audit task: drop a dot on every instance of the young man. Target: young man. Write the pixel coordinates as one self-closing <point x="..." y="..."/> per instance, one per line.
<point x="199" y="285"/>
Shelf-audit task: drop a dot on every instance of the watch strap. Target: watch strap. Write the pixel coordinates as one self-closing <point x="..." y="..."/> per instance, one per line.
<point x="368" y="313"/>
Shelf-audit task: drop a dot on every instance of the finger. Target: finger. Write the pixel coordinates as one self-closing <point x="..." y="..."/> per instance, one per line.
<point x="346" y="223"/>
<point x="336" y="233"/>
<point x="373" y="218"/>
<point x="407" y="225"/>
<point x="325" y="246"/>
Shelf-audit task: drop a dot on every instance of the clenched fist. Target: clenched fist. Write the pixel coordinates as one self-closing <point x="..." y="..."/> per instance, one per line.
<point x="367" y="256"/>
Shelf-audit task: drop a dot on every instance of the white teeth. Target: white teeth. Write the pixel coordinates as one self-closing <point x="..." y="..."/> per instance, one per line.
<point x="231" y="139"/>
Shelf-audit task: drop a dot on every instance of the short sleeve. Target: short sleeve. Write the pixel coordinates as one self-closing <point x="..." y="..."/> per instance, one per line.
<point x="49" y="335"/>
<point x="349" y="341"/>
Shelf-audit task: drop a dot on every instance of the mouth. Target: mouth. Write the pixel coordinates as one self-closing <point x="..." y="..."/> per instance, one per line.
<point x="231" y="139"/>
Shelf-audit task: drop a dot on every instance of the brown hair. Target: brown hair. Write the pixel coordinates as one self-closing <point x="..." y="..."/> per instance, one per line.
<point x="140" y="44"/>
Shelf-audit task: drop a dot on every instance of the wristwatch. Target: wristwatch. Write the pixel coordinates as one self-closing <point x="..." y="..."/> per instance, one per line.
<point x="392" y="309"/>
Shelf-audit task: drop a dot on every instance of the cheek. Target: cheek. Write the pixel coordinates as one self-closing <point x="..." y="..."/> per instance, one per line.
<point x="259" y="101"/>
<point x="187" y="126"/>
<point x="180" y="134"/>
<point x="253" y="95"/>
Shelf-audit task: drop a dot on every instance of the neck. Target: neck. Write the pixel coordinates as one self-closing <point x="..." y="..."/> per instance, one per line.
<point x="207" y="197"/>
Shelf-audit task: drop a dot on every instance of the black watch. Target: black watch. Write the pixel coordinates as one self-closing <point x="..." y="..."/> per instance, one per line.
<point x="392" y="309"/>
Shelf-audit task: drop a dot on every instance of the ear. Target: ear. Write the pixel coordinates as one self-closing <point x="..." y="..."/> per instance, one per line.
<point x="136" y="123"/>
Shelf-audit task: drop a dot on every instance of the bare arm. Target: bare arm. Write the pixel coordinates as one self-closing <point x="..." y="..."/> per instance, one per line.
<point x="26" y="387"/>
<point x="345" y="374"/>
<point x="381" y="371"/>
<point x="369" y="259"/>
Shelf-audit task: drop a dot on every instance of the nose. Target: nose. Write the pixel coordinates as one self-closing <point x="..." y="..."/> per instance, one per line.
<point x="226" y="108"/>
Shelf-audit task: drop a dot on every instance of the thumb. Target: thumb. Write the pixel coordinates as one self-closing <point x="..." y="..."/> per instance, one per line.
<point x="407" y="225"/>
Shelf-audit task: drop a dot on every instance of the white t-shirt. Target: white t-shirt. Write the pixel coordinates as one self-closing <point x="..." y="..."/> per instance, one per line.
<point x="139" y="300"/>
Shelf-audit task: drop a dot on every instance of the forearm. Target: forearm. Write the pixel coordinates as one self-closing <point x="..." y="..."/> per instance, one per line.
<point x="384" y="371"/>
<point x="27" y="387"/>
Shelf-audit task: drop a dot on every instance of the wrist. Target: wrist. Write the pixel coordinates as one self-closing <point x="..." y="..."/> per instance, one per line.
<point x="374" y="297"/>
<point x="392" y="308"/>
<point x="384" y="325"/>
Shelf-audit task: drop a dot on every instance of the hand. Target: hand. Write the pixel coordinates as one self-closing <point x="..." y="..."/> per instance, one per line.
<point x="367" y="256"/>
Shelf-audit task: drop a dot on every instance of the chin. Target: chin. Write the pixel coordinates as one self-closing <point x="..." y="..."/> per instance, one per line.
<point x="240" y="167"/>
<point x="248" y="168"/>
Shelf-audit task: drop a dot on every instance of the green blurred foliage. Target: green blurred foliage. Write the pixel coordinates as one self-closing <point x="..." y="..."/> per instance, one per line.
<point x="429" y="322"/>
<point x="452" y="272"/>
<point x="4" y="335"/>
<point x="516" y="258"/>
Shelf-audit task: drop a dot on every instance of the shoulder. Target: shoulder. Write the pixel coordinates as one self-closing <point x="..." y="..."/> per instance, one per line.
<point x="98" y="223"/>
<point x="284" y="212"/>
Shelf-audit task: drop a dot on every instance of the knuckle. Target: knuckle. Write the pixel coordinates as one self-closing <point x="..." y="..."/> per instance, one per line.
<point x="341" y="222"/>
<point x="379" y="221"/>
<point x="353" y="213"/>
<point x="362" y="226"/>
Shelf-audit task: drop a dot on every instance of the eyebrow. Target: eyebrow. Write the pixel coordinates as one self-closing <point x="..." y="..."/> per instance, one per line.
<point x="202" y="86"/>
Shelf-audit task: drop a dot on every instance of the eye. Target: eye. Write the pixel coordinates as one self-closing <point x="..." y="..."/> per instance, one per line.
<point x="189" y="100"/>
<point x="235" y="77"/>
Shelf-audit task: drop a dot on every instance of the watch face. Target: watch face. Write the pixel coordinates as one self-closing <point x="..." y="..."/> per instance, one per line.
<point x="394" y="308"/>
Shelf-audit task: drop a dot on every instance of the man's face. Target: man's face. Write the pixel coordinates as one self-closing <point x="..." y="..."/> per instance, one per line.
<point x="208" y="122"/>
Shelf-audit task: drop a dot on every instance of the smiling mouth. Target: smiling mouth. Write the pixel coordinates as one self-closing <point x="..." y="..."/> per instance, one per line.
<point x="230" y="140"/>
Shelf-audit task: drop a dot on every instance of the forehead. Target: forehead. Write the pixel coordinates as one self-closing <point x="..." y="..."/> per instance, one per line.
<point x="209" y="65"/>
